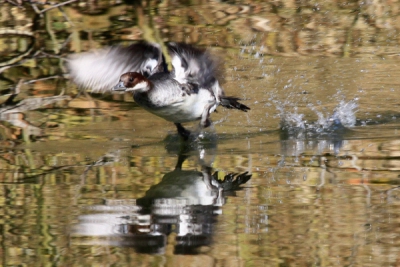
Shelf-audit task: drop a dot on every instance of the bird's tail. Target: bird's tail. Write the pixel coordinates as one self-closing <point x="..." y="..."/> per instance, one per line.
<point x="232" y="102"/>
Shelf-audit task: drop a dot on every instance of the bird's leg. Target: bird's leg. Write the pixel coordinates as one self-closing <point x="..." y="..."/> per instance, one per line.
<point x="207" y="177"/>
<point x="181" y="159"/>
<point x="182" y="131"/>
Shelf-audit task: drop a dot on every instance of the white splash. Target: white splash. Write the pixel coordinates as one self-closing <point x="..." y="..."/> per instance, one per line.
<point x="343" y="116"/>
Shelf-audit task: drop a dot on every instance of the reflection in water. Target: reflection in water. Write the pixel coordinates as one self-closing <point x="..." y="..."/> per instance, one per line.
<point x="13" y="113"/>
<point x="323" y="137"/>
<point x="185" y="202"/>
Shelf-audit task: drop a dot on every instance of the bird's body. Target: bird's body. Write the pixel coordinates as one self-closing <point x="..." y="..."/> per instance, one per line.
<point x="172" y="101"/>
<point x="188" y="93"/>
<point x="182" y="109"/>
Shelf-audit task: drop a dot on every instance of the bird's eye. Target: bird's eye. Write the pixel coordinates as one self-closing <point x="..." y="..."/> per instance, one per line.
<point x="130" y="79"/>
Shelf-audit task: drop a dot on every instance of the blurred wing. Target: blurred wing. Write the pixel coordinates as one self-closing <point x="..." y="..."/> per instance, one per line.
<point x="197" y="66"/>
<point x="100" y="70"/>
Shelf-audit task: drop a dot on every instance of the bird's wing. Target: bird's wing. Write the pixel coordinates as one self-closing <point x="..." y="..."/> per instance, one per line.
<point x="196" y="66"/>
<point x="100" y="70"/>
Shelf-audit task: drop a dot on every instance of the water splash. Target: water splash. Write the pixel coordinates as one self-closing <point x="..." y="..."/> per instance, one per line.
<point x="345" y="112"/>
<point x="326" y="133"/>
<point x="342" y="117"/>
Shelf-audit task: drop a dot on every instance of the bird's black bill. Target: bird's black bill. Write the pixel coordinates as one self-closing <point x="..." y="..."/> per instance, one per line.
<point x="119" y="87"/>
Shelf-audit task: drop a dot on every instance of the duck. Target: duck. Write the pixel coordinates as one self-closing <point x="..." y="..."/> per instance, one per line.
<point x="190" y="91"/>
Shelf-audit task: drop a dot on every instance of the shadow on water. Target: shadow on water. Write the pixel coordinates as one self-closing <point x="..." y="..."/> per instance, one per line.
<point x="185" y="202"/>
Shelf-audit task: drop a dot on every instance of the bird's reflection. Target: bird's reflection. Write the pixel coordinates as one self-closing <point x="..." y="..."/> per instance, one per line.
<point x="185" y="203"/>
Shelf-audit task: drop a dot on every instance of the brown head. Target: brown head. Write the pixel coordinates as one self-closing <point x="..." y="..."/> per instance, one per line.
<point x="132" y="81"/>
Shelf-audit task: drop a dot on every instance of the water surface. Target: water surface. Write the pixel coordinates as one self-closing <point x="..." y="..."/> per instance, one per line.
<point x="77" y="171"/>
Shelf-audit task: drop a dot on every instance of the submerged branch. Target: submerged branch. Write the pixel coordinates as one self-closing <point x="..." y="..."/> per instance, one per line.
<point x="33" y="103"/>
<point x="17" y="3"/>
<point x="57" y="5"/>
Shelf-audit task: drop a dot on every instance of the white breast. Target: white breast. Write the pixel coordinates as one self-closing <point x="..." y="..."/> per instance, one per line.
<point x="190" y="108"/>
